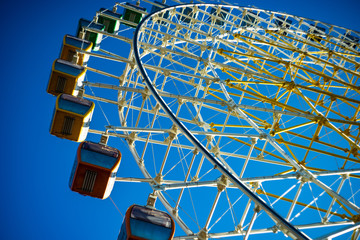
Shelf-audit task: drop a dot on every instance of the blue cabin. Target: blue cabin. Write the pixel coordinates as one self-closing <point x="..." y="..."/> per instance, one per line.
<point x="71" y="118"/>
<point x="94" y="170"/>
<point x="133" y="14"/>
<point x="146" y="223"/>
<point x="93" y="37"/>
<point x="69" y="47"/>
<point x="248" y="19"/>
<point x="110" y="20"/>
<point x="65" y="77"/>
<point x="219" y="13"/>
<point x="314" y="33"/>
<point x="158" y="7"/>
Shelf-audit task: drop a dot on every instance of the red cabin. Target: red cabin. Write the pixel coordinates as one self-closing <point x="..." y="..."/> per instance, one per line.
<point x="94" y="170"/>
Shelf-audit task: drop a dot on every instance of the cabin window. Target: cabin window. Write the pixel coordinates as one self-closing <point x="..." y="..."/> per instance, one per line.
<point x="74" y="105"/>
<point x="89" y="181"/>
<point x="132" y="17"/>
<point x="106" y="22"/>
<point x="98" y="159"/>
<point x="68" y="125"/>
<point x="106" y="150"/>
<point x="61" y="83"/>
<point x="149" y="215"/>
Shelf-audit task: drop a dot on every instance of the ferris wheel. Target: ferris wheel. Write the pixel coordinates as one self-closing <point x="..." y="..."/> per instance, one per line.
<point x="243" y="121"/>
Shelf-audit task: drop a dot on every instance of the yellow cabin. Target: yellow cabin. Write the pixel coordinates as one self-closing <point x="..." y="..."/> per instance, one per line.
<point x="66" y="78"/>
<point x="72" y="116"/>
<point x="69" y="47"/>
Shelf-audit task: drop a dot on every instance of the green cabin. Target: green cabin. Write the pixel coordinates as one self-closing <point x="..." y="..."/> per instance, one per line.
<point x="110" y="19"/>
<point x="133" y="13"/>
<point x="92" y="36"/>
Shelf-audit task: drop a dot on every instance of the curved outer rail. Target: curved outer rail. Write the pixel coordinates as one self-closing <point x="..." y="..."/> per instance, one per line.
<point x="289" y="228"/>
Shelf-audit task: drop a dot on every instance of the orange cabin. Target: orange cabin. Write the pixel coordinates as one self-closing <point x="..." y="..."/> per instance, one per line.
<point x="94" y="170"/>
<point x="66" y="78"/>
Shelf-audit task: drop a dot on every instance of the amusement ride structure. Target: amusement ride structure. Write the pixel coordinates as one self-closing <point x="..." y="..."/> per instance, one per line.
<point x="244" y="122"/>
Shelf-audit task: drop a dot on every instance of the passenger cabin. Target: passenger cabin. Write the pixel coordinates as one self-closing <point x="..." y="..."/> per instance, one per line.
<point x="94" y="170"/>
<point x="69" y="47"/>
<point x="71" y="118"/>
<point x="110" y="19"/>
<point x="314" y="33"/>
<point x="86" y="26"/>
<point x="249" y="19"/>
<point x="146" y="223"/>
<point x="65" y="77"/>
<point x="157" y="7"/>
<point x="133" y="13"/>
<point x="219" y="13"/>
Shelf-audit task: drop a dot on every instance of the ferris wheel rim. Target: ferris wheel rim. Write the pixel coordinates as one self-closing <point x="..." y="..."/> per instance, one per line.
<point x="291" y="230"/>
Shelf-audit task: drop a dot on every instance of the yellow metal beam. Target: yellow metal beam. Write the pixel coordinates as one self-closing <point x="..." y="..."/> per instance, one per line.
<point x="280" y="141"/>
<point x="260" y="191"/>
<point x="294" y="127"/>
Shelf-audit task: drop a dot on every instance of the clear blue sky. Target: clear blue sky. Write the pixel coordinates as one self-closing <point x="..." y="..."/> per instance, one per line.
<point x="36" y="202"/>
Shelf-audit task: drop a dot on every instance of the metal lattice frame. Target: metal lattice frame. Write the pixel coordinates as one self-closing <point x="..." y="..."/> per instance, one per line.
<point x="270" y="99"/>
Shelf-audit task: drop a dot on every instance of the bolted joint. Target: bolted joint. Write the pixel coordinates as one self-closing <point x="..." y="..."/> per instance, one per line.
<point x="321" y="120"/>
<point x="215" y="150"/>
<point x="195" y="179"/>
<point x="196" y="151"/>
<point x="275" y="229"/>
<point x="354" y="151"/>
<point x="238" y="229"/>
<point x="306" y="176"/>
<point x="257" y="208"/>
<point x="231" y="105"/>
<point x="121" y="104"/>
<point x="159" y="178"/>
<point x="254" y="141"/>
<point x="202" y="235"/>
<point x="145" y="94"/>
<point x="345" y="176"/>
<point x="289" y="85"/>
<point x="356" y="218"/>
<point x="255" y="185"/>
<point x="131" y="138"/>
<point x="222" y="183"/>
<point x="175" y="212"/>
<point x="209" y="138"/>
<point x="156" y="108"/>
<point x="173" y="132"/>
